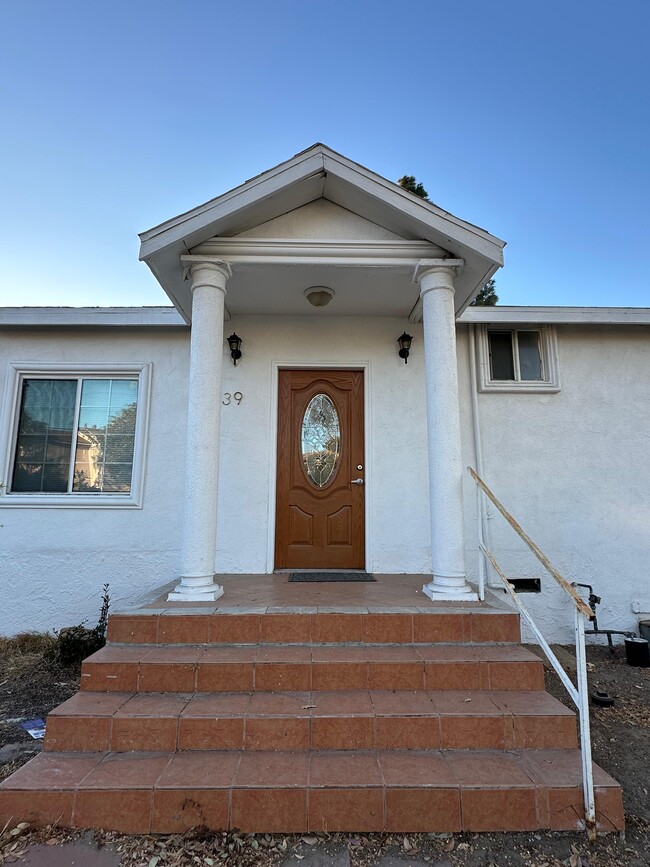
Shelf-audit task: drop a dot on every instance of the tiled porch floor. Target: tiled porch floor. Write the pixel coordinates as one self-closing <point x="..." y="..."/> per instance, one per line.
<point x="273" y="594"/>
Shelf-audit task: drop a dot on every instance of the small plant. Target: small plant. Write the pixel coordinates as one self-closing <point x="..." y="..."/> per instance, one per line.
<point x="75" y="643"/>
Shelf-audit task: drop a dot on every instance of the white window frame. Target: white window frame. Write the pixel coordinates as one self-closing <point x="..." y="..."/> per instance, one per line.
<point x="17" y="372"/>
<point x="550" y="384"/>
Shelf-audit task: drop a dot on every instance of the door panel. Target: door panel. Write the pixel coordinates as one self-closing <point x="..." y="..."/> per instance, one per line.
<point x="320" y="514"/>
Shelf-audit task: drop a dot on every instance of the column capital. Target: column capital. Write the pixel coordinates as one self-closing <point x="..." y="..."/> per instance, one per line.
<point x="437" y="273"/>
<point x="212" y="273"/>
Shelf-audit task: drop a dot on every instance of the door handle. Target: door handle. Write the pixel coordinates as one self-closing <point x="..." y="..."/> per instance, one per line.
<point x="356" y="482"/>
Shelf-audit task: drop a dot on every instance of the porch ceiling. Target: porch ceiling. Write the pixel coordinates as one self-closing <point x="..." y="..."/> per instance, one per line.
<point x="272" y="286"/>
<point x="279" y="290"/>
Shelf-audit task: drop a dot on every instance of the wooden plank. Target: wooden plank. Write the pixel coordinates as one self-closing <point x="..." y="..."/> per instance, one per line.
<point x="543" y="559"/>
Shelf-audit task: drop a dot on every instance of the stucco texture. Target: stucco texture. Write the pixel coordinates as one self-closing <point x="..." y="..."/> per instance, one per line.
<point x="572" y="467"/>
<point x="54" y="561"/>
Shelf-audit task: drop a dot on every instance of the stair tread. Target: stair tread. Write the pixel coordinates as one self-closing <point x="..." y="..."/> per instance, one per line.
<point x="302" y="653"/>
<point x="556" y="768"/>
<point x="314" y="704"/>
<point x="300" y="667"/>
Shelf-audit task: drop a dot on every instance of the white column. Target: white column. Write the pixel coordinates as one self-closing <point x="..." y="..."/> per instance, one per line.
<point x="202" y="447"/>
<point x="436" y="281"/>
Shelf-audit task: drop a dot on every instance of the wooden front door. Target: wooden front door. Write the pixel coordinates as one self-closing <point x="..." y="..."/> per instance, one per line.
<point x="320" y="515"/>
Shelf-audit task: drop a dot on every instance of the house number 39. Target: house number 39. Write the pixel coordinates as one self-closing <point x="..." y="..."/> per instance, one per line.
<point x="228" y="398"/>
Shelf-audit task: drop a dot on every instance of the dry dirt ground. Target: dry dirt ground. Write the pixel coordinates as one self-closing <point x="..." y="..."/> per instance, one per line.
<point x="31" y="683"/>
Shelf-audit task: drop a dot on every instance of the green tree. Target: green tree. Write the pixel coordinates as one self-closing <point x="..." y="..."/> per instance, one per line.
<point x="410" y="183"/>
<point x="487" y="297"/>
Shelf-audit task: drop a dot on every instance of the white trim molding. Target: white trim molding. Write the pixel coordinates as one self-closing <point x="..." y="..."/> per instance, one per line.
<point x="91" y="317"/>
<point x="273" y="251"/>
<point x="550" y="384"/>
<point x="16" y="373"/>
<point x="556" y="315"/>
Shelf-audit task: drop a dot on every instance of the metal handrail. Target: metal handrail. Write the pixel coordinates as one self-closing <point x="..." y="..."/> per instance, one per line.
<point x="582" y="611"/>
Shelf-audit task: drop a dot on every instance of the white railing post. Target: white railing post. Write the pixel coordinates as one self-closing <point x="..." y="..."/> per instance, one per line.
<point x="585" y="731"/>
<point x="579" y="693"/>
<point x="481" y="545"/>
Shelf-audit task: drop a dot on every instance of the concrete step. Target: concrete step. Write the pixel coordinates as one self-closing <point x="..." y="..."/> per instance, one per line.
<point x="227" y="626"/>
<point x="360" y="719"/>
<point x="257" y="667"/>
<point x="258" y="791"/>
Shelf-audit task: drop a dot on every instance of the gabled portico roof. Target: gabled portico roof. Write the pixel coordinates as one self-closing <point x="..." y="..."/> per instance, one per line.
<point x="424" y="229"/>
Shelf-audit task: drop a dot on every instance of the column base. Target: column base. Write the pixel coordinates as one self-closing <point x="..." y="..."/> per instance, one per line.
<point x="447" y="593"/>
<point x="196" y="589"/>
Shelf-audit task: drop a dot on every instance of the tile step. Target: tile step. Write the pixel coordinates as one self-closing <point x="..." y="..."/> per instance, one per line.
<point x="399" y="791"/>
<point x="203" y="668"/>
<point x="375" y="627"/>
<point x="353" y="720"/>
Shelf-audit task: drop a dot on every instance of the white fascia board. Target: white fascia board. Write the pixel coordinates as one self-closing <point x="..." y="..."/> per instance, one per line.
<point x="204" y="216"/>
<point x="84" y="317"/>
<point x="426" y="213"/>
<point x="557" y="315"/>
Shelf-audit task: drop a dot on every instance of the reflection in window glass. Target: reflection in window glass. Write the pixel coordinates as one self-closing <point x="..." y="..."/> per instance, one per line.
<point x="102" y="412"/>
<point x="530" y="360"/>
<point x="106" y="436"/>
<point x="44" y="441"/>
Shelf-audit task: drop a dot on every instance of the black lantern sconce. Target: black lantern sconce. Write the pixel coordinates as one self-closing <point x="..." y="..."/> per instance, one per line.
<point x="234" y="343"/>
<point x="404" y="346"/>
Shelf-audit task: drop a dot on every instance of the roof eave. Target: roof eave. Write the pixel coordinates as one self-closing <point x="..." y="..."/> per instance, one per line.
<point x="314" y="173"/>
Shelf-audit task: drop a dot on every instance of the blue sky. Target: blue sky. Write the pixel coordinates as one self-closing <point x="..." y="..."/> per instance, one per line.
<point x="529" y="119"/>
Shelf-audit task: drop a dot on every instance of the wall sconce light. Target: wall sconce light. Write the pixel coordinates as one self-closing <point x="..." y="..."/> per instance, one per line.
<point x="234" y="343"/>
<point x="404" y="346"/>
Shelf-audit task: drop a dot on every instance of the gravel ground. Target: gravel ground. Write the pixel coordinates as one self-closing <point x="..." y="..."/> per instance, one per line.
<point x="32" y="685"/>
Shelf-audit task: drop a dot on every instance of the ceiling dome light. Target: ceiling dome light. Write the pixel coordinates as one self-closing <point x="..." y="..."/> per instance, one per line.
<point x="319" y="296"/>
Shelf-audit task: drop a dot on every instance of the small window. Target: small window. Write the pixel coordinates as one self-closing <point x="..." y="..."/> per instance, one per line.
<point x="76" y="437"/>
<point x="518" y="359"/>
<point x="515" y="356"/>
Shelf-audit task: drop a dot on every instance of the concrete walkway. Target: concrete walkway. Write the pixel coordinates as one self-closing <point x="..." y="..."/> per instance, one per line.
<point x="80" y="854"/>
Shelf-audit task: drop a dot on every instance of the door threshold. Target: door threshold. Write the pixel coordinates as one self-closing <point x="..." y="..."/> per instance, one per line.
<point x="298" y="569"/>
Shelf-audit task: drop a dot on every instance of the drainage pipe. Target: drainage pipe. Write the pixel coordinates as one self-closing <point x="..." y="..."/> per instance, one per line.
<point x="481" y="504"/>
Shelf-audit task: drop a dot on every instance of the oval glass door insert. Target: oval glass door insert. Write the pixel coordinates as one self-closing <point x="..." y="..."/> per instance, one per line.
<point x="320" y="440"/>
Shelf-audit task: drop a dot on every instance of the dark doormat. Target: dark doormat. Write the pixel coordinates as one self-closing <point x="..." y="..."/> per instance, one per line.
<point x="313" y="577"/>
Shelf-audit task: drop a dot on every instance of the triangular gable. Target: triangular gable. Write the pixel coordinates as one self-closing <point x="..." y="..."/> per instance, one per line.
<point x="324" y="221"/>
<point x="319" y="173"/>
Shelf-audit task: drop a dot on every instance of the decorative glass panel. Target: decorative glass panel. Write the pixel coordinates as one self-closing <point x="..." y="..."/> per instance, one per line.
<point x="106" y="436"/>
<point x="44" y="436"/>
<point x="320" y="440"/>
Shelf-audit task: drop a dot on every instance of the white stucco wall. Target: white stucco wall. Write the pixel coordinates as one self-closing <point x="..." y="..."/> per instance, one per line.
<point x="396" y="470"/>
<point x="53" y="562"/>
<point x="573" y="469"/>
<point x="571" y="466"/>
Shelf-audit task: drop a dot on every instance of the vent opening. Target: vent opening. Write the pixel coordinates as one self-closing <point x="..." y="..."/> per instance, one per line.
<point x="526" y="585"/>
